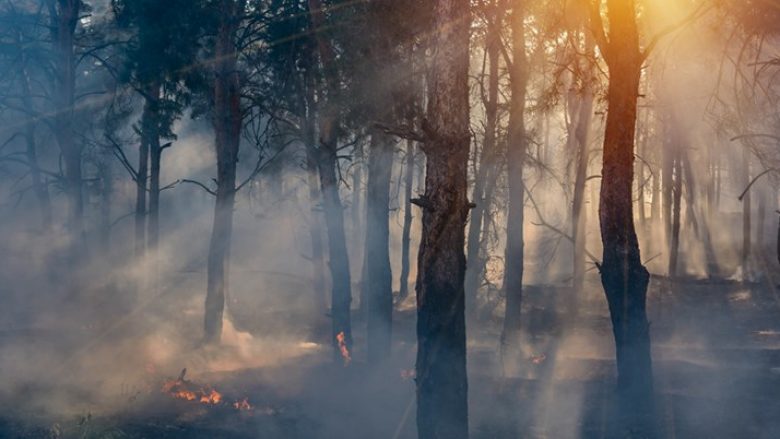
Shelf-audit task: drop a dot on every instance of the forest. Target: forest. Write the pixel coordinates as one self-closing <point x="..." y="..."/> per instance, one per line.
<point x="439" y="219"/>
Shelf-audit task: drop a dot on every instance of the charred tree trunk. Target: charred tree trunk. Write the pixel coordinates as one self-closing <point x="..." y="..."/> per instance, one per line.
<point x="379" y="285"/>
<point x="442" y="387"/>
<point x="341" y="298"/>
<point x="407" y="226"/>
<point x="227" y="122"/>
<point x="516" y="152"/>
<point x="475" y="265"/>
<point x="65" y="16"/>
<point x="623" y="276"/>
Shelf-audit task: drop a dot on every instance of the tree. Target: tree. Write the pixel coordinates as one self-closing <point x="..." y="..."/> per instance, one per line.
<point x="516" y="156"/>
<point x="442" y="388"/>
<point x="227" y="120"/>
<point x="623" y="276"/>
<point x="164" y="40"/>
<point x="64" y="19"/>
<point x="327" y="162"/>
<point x="487" y="170"/>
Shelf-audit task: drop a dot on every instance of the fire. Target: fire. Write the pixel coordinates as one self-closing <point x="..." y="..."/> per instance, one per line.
<point x="189" y="391"/>
<point x="341" y="339"/>
<point x="242" y="405"/>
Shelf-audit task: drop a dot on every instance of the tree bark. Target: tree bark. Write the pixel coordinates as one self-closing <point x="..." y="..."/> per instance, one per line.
<point x="442" y="388"/>
<point x="341" y="297"/>
<point x="227" y="121"/>
<point x="516" y="152"/>
<point x="623" y="276"/>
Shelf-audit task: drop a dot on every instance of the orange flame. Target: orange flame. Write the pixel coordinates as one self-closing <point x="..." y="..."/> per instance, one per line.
<point x="341" y="339"/>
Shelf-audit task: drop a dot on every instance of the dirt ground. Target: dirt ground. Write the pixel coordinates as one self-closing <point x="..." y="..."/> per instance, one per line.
<point x="716" y="365"/>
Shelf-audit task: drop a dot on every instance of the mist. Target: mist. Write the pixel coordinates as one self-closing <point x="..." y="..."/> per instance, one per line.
<point x="351" y="219"/>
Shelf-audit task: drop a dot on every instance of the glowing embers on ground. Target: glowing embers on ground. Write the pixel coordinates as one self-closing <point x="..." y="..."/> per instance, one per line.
<point x="181" y="388"/>
<point x="341" y="339"/>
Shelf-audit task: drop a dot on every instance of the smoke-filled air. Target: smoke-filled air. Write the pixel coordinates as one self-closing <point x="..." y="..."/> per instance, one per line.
<point x="350" y="219"/>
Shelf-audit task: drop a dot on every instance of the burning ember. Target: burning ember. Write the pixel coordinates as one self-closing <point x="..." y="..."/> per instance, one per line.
<point x="181" y="388"/>
<point x="242" y="405"/>
<point x="341" y="339"/>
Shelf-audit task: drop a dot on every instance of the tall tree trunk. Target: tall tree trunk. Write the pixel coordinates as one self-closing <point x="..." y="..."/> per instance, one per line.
<point x="640" y="171"/>
<point x="315" y="228"/>
<point x="151" y="131"/>
<point x="582" y="137"/>
<point x="442" y="386"/>
<point x="39" y="186"/>
<point x="746" y="216"/>
<point x="341" y="298"/>
<point x="315" y="231"/>
<point x="227" y="122"/>
<point x="667" y="171"/>
<point x="65" y="17"/>
<point x="141" y="185"/>
<point x="406" y="232"/>
<point x="516" y="152"/>
<point x="674" y="247"/>
<point x="379" y="280"/>
<point x="474" y="263"/>
<point x="623" y="276"/>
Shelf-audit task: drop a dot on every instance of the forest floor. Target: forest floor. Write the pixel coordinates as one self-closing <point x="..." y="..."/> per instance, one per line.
<point x="716" y="352"/>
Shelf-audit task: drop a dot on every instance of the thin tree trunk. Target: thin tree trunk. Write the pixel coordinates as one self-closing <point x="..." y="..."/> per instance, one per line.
<point x="227" y="122"/>
<point x="407" y="226"/>
<point x="623" y="276"/>
<point x="151" y="128"/>
<point x="65" y="17"/>
<point x="579" y="217"/>
<point x="140" y="205"/>
<point x="442" y="387"/>
<point x="674" y="247"/>
<point x="640" y="171"/>
<point x="475" y="265"/>
<point x="341" y="298"/>
<point x="746" y="212"/>
<point x="516" y="152"/>
<point x="41" y="191"/>
<point x="315" y="228"/>
<point x="667" y="169"/>
<point x="379" y="285"/>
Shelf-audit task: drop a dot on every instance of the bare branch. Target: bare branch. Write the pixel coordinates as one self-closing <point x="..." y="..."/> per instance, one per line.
<point x="199" y="184"/>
